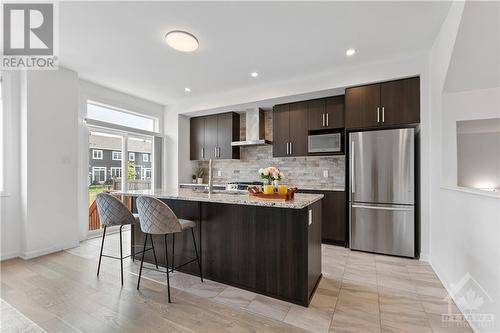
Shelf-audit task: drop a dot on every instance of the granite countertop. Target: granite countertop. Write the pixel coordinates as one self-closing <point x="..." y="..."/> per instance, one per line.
<point x="300" y="201"/>
<point x="307" y="188"/>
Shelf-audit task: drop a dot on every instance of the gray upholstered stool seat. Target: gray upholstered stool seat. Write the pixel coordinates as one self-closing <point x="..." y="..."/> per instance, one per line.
<point x="186" y="224"/>
<point x="112" y="212"/>
<point x="156" y="217"/>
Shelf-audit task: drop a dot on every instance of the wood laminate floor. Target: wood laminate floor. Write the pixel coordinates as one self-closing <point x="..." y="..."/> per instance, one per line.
<point x="359" y="292"/>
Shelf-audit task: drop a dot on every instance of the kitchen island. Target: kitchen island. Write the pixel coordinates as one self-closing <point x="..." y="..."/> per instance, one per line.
<point x="271" y="248"/>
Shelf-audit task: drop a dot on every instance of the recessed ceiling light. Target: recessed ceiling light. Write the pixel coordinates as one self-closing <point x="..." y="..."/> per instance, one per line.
<point x="181" y="41"/>
<point x="187" y="89"/>
<point x="254" y="74"/>
<point x="350" y="52"/>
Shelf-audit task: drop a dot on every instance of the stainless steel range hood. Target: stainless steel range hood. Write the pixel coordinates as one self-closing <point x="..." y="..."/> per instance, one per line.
<point x="254" y="129"/>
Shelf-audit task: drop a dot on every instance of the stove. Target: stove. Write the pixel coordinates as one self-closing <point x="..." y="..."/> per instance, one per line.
<point x="242" y="186"/>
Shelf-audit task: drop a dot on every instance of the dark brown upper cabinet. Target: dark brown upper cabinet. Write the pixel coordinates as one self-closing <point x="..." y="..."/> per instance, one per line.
<point x="197" y="138"/>
<point x="211" y="136"/>
<point x="290" y="129"/>
<point x="281" y="133"/>
<point x="326" y="113"/>
<point x="389" y="104"/>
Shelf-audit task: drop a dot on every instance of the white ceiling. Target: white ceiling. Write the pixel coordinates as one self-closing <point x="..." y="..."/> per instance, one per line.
<point x="120" y="44"/>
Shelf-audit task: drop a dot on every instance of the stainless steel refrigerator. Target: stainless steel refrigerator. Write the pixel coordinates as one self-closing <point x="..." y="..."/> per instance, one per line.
<point x="382" y="191"/>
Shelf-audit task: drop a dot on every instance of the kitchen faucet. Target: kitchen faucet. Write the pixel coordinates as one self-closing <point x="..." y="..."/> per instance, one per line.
<point x="210" y="179"/>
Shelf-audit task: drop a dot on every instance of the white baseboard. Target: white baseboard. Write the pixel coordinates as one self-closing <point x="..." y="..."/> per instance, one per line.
<point x="42" y="252"/>
<point x="424" y="257"/>
<point x="9" y="255"/>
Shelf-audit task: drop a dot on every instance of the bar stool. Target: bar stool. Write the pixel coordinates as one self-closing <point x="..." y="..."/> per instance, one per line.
<point x="155" y="217"/>
<point x="112" y="212"/>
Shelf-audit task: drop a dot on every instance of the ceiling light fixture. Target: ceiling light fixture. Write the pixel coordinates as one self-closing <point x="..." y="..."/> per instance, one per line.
<point x="187" y="89"/>
<point x="254" y="74"/>
<point x="181" y="41"/>
<point x="350" y="52"/>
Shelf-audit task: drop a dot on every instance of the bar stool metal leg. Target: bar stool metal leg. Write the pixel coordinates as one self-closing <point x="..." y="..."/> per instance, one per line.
<point x="142" y="260"/>
<point x="102" y="246"/>
<point x="153" y="247"/>
<point x="197" y="257"/>
<point x="173" y="252"/>
<point x="166" y="262"/>
<point x="132" y="248"/>
<point x="121" y="254"/>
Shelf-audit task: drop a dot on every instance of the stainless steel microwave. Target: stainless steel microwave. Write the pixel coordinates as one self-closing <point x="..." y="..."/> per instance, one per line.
<point x="325" y="143"/>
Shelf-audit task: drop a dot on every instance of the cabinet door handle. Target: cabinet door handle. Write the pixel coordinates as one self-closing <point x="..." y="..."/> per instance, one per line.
<point x="383" y="115"/>
<point x="291" y="148"/>
<point x="215" y="152"/>
<point x="327" y="119"/>
<point x="378" y="114"/>
<point x="323" y="118"/>
<point x="287" y="149"/>
<point x="202" y="152"/>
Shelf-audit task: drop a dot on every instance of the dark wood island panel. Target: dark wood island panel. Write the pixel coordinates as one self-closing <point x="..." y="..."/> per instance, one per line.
<point x="268" y="250"/>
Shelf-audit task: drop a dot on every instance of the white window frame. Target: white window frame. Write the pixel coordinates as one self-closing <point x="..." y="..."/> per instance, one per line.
<point x="94" y="151"/>
<point x="144" y="171"/>
<point x="98" y="169"/>
<point x="145" y="157"/>
<point x="114" y="170"/>
<point x="114" y="153"/>
<point x="131" y="156"/>
<point x="93" y="122"/>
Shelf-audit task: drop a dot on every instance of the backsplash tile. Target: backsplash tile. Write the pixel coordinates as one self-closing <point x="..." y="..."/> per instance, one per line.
<point x="303" y="172"/>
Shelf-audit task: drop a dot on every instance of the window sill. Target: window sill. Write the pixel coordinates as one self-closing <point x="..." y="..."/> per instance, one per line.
<point x="472" y="191"/>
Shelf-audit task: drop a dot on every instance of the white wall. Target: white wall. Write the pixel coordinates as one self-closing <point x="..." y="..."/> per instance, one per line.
<point x="10" y="228"/>
<point x="49" y="157"/>
<point x="464" y="225"/>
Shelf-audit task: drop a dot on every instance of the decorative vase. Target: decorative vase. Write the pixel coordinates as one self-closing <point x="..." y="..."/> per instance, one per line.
<point x="200" y="180"/>
<point x="275" y="186"/>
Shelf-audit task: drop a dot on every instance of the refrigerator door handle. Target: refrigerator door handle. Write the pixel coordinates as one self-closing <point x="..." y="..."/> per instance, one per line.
<point x="352" y="166"/>
<point x="383" y="207"/>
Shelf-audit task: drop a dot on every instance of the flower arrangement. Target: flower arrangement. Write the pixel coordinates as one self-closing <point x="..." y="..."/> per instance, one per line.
<point x="271" y="174"/>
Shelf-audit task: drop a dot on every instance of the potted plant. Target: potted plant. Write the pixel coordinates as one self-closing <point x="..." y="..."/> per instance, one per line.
<point x="199" y="175"/>
<point x="194" y="179"/>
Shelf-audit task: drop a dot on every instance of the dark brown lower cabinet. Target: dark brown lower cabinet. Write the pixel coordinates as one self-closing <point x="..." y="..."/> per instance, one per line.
<point x="271" y="251"/>
<point x="333" y="211"/>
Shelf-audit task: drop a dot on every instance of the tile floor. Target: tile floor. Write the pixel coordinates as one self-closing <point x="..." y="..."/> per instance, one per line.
<point x="359" y="292"/>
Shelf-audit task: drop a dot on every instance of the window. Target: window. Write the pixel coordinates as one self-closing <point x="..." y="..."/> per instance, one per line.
<point x="146" y="173"/>
<point x="116" y="172"/>
<point x="119" y="117"/>
<point x="138" y="171"/>
<point x="116" y="156"/>
<point x="131" y="157"/>
<point x="145" y="157"/>
<point x="98" y="174"/>
<point x="96" y="154"/>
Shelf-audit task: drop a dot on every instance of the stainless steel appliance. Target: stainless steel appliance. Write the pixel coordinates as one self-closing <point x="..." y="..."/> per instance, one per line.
<point x="325" y="143"/>
<point x="242" y="186"/>
<point x="382" y="191"/>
